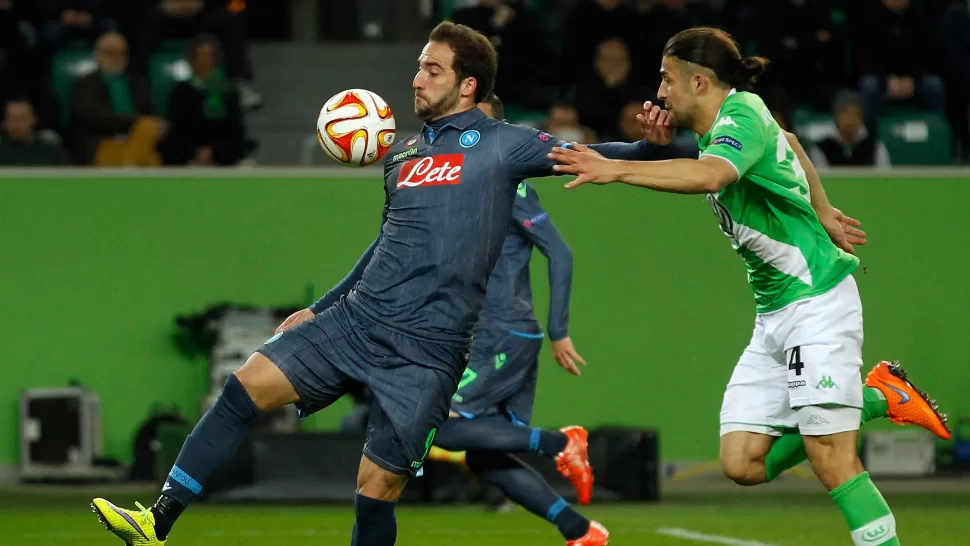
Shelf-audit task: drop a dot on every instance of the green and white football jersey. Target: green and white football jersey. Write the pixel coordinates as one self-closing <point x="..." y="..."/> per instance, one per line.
<point x="767" y="213"/>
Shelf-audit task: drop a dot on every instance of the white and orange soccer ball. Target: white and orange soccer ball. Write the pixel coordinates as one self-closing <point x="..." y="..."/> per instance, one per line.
<point x="356" y="127"/>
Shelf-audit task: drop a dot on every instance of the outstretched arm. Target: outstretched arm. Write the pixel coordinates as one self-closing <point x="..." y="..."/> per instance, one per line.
<point x="705" y="175"/>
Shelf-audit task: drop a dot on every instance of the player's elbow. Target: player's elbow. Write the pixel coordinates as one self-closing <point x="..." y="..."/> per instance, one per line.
<point x="713" y="181"/>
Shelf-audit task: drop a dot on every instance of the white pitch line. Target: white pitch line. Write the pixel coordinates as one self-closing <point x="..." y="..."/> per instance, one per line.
<point x="712" y="539"/>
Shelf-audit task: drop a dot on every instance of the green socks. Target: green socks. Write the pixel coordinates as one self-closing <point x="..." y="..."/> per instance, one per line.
<point x="788" y="450"/>
<point x="873" y="404"/>
<point x="865" y="510"/>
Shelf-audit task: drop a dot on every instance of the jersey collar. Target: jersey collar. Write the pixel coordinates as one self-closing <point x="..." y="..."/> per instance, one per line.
<point x="460" y="121"/>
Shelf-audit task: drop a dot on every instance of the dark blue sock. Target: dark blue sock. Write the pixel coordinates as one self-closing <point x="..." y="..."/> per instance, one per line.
<point x="524" y="485"/>
<point x="376" y="524"/>
<point x="212" y="443"/>
<point x="497" y="433"/>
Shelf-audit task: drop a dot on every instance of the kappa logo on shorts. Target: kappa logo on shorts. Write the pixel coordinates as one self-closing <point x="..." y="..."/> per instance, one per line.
<point x="826" y="383"/>
<point x="796" y="384"/>
<point x="437" y="170"/>
<point x="817" y="420"/>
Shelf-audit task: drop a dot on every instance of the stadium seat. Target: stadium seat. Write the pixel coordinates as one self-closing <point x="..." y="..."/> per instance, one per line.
<point x="517" y="115"/>
<point x="916" y="138"/>
<point x="166" y="68"/>
<point x="69" y="65"/>
<point x="812" y="125"/>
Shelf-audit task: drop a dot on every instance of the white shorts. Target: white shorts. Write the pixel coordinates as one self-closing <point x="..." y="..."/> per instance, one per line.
<point x="802" y="369"/>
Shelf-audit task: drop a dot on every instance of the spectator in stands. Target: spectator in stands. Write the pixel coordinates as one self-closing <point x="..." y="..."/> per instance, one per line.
<point x="852" y="144"/>
<point x="112" y="111"/>
<point x="600" y="98"/>
<point x="514" y="30"/>
<point x="64" y="21"/>
<point x="894" y="60"/>
<point x="20" y="145"/>
<point x="628" y="128"/>
<point x="563" y="123"/>
<point x="955" y="34"/>
<point x="185" y="19"/>
<point x="806" y="48"/>
<point x="586" y="27"/>
<point x="206" y="121"/>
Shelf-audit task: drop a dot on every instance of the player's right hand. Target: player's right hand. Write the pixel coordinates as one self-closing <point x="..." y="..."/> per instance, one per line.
<point x="565" y="354"/>
<point x="656" y="124"/>
<point x="302" y="315"/>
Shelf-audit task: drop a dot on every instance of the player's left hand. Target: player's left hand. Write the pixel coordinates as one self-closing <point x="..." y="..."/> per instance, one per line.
<point x="656" y="124"/>
<point x="587" y="164"/>
<point x="844" y="230"/>
<point x="565" y="354"/>
<point x="302" y="315"/>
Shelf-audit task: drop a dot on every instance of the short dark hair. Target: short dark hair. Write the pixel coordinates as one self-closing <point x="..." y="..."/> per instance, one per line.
<point x="474" y="55"/>
<point x="717" y="51"/>
<point x="498" y="108"/>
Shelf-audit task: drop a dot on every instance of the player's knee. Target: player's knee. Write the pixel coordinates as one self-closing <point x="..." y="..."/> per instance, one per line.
<point x="379" y="483"/>
<point x="265" y="383"/>
<point x="742" y="470"/>
<point x="742" y="457"/>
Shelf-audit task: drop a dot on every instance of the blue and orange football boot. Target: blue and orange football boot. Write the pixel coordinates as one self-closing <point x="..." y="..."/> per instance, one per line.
<point x="573" y="462"/>
<point x="135" y="527"/>
<point x="907" y="404"/>
<point x="596" y="536"/>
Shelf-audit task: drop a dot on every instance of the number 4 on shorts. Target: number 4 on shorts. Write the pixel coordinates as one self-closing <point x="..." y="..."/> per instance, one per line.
<point x="795" y="360"/>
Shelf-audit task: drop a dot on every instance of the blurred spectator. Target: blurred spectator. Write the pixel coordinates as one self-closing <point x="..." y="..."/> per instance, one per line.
<point x="586" y="27"/>
<point x="955" y="34"/>
<point x="515" y="32"/>
<point x="806" y="49"/>
<point x="20" y="145"/>
<point x="185" y="19"/>
<point x="112" y="111"/>
<point x="852" y="144"/>
<point x="627" y="126"/>
<point x="600" y="98"/>
<point x="64" y="21"/>
<point x="206" y="121"/>
<point x="563" y="123"/>
<point x="893" y="59"/>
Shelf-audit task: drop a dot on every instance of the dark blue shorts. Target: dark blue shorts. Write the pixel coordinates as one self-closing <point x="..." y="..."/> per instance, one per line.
<point x="501" y="376"/>
<point x="409" y="377"/>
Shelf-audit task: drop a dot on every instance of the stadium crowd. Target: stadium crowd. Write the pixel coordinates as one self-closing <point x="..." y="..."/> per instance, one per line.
<point x="582" y="67"/>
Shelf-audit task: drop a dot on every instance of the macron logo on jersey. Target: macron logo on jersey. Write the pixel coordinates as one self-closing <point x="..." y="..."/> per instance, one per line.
<point x="438" y="170"/>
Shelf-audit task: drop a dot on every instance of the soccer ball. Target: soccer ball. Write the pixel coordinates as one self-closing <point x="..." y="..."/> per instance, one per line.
<point x="356" y="127"/>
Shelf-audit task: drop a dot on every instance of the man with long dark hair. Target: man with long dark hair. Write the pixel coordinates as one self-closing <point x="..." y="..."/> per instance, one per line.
<point x="796" y="390"/>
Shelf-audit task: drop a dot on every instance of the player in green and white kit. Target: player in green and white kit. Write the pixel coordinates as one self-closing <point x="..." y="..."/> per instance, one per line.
<point x="797" y="390"/>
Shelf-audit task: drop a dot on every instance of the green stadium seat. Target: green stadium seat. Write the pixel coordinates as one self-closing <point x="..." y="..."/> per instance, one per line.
<point x="522" y="116"/>
<point x="166" y="68"/>
<point x="916" y="138"/>
<point x="812" y="125"/>
<point x="69" y="65"/>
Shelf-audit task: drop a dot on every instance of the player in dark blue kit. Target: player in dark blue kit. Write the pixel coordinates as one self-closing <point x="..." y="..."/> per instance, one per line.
<point x="402" y="320"/>
<point x="493" y="406"/>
